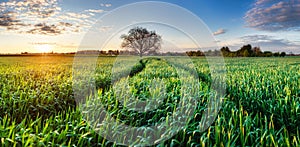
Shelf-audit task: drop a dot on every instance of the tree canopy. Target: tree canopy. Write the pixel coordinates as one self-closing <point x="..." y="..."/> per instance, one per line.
<point x="141" y="41"/>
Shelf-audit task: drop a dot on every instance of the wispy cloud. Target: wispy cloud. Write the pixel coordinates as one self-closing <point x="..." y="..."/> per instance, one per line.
<point x="42" y="43"/>
<point x="219" y="32"/>
<point x="266" y="43"/>
<point x="260" y="2"/>
<point x="272" y="43"/>
<point x="274" y="15"/>
<point x="266" y="40"/>
<point x="95" y="11"/>
<point x="105" y="5"/>
<point x="105" y="28"/>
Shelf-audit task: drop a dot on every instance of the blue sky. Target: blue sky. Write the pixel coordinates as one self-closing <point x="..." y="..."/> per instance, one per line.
<point x="62" y="25"/>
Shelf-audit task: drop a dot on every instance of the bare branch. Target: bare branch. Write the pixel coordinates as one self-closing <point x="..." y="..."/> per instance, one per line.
<point x="141" y="41"/>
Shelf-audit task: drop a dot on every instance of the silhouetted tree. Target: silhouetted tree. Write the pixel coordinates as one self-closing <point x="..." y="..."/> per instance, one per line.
<point x="225" y="51"/>
<point x="248" y="51"/>
<point x="257" y="52"/>
<point x="245" y="51"/>
<point x="268" y="54"/>
<point x="282" y="54"/>
<point x="277" y="54"/>
<point x="195" y="53"/>
<point x="141" y="41"/>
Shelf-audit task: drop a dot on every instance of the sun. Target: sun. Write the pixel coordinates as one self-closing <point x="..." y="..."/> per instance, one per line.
<point x="43" y="48"/>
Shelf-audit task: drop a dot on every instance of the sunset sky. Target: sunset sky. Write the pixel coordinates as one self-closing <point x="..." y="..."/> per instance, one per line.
<point x="60" y="25"/>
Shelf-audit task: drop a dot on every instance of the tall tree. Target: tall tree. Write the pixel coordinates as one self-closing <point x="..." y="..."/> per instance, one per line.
<point x="282" y="54"/>
<point x="141" y="41"/>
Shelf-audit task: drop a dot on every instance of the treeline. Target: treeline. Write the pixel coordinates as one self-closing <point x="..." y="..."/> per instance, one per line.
<point x="127" y="52"/>
<point x="245" y="51"/>
<point x="107" y="53"/>
<point x="248" y="51"/>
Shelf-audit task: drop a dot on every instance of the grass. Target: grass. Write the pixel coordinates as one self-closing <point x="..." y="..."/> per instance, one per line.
<point x="261" y="106"/>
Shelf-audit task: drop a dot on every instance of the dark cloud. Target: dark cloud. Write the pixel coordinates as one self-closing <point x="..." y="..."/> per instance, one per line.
<point x="45" y="29"/>
<point x="6" y="19"/>
<point x="50" y="29"/>
<point x="9" y="20"/>
<point x="274" y="15"/>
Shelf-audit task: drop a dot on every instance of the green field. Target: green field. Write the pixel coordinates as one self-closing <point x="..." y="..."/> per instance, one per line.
<point x="261" y="106"/>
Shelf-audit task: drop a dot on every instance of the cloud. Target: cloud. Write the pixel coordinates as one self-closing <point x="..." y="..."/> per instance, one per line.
<point x="266" y="40"/>
<point x="260" y="2"/>
<point x="219" y="32"/>
<point x="10" y="21"/>
<point x="44" y="17"/>
<point x="37" y="8"/>
<point x="105" y="28"/>
<point x="77" y="15"/>
<point x="95" y="11"/>
<point x="105" y="5"/>
<point x="24" y="16"/>
<point x="45" y="29"/>
<point x="274" y="15"/>
<point x="66" y="24"/>
<point x="43" y="43"/>
<point x="52" y="29"/>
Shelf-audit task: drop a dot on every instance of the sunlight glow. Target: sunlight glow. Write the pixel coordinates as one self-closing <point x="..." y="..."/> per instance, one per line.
<point x="43" y="48"/>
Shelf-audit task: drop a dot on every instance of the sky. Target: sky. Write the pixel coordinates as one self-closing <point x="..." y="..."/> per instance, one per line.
<point x="70" y="25"/>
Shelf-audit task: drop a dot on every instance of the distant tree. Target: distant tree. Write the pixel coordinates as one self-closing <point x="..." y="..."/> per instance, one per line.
<point x="248" y="51"/>
<point x="208" y="53"/>
<point x="245" y="51"/>
<point x="113" y="52"/>
<point x="232" y="54"/>
<point x="193" y="53"/>
<point x="141" y="41"/>
<point x="102" y="52"/>
<point x="268" y="54"/>
<point x="257" y="51"/>
<point x="277" y="54"/>
<point x="225" y="51"/>
<point x="282" y="54"/>
<point x="199" y="53"/>
<point x="216" y="53"/>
